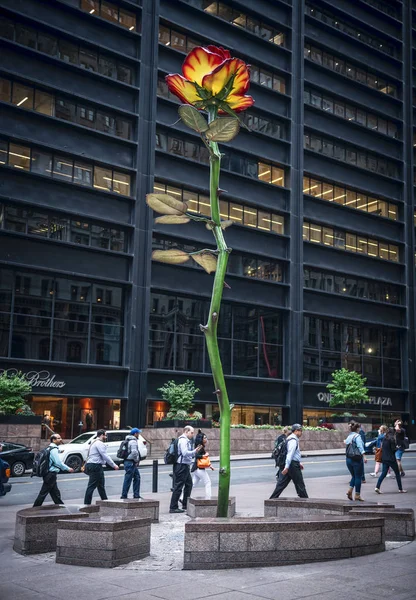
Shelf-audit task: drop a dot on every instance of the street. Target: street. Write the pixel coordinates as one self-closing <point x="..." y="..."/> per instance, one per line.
<point x="251" y="471"/>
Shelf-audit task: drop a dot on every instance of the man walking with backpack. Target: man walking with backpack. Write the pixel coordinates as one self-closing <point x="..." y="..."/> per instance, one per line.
<point x="292" y="467"/>
<point x="50" y="465"/>
<point x="182" y="470"/>
<point x="131" y="464"/>
<point x="96" y="460"/>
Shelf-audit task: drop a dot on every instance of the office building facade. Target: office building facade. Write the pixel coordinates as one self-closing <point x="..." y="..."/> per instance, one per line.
<point x="320" y="190"/>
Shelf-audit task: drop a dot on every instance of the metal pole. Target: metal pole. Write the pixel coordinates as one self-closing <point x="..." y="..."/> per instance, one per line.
<point x="155" y="477"/>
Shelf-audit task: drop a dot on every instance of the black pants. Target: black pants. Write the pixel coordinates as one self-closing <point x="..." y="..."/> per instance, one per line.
<point x="96" y="481"/>
<point x="294" y="474"/>
<point x="395" y="467"/>
<point x="49" y="487"/>
<point x="182" y="478"/>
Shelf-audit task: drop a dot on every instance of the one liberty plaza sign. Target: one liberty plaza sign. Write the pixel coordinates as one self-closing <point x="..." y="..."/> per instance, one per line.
<point x="374" y="400"/>
<point x="38" y="379"/>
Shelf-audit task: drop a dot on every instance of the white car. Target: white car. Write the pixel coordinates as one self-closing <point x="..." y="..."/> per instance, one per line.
<point x="74" y="454"/>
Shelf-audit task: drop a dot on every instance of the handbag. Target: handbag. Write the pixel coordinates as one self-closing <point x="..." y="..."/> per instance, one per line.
<point x="378" y="455"/>
<point x="203" y="462"/>
<point x="352" y="450"/>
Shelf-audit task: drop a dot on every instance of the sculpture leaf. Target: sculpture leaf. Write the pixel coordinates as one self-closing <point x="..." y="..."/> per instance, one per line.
<point x="193" y="118"/>
<point x="223" y="129"/>
<point x="207" y="261"/>
<point x="172" y="219"/>
<point x="225" y="224"/>
<point x="173" y="257"/>
<point x="165" y="204"/>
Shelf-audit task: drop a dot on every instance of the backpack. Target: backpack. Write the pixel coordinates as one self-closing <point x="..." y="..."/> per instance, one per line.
<point x="123" y="450"/>
<point x="280" y="453"/>
<point x="172" y="453"/>
<point x="41" y="463"/>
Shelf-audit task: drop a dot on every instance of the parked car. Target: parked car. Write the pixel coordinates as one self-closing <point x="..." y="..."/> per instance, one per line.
<point x="371" y="441"/>
<point x="19" y="457"/>
<point x="75" y="452"/>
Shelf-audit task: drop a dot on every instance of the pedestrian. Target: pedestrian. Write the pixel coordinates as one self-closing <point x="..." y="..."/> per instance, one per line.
<point x="388" y="458"/>
<point x="3" y="466"/>
<point x="97" y="458"/>
<point x="400" y="434"/>
<point x="131" y="465"/>
<point x="182" y="470"/>
<point x="293" y="467"/>
<point x="355" y="458"/>
<point x="202" y="465"/>
<point x="278" y="440"/>
<point x="50" y="485"/>
<point x="362" y="435"/>
<point x="377" y="457"/>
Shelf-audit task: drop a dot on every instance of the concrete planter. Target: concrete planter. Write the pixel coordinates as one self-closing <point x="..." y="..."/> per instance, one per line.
<point x="130" y="508"/>
<point x="200" y="508"/>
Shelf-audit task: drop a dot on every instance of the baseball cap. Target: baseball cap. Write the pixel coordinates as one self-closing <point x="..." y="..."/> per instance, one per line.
<point x="296" y="426"/>
<point x="135" y="430"/>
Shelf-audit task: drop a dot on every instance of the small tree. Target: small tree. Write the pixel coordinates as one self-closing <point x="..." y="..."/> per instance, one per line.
<point x="347" y="388"/>
<point x="180" y="397"/>
<point x="13" y="389"/>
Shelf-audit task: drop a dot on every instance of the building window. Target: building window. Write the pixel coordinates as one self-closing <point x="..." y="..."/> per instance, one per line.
<point x="312" y="232"/>
<point x="347" y="197"/>
<point x="350" y="113"/>
<point x="338" y="65"/>
<point x="366" y="160"/>
<point x="64" y="168"/>
<point x="108" y="11"/>
<point x="241" y="214"/>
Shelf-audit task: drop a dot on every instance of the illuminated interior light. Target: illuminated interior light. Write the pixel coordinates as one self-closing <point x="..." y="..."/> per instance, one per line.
<point x="327" y="192"/>
<point x="338" y="197"/>
<point x="19" y="155"/>
<point x="278" y="179"/>
<point x="21" y="101"/>
<point x="131" y="28"/>
<point x="92" y="11"/>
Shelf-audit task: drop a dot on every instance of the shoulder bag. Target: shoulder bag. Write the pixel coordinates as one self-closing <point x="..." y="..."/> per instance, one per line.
<point x="352" y="450"/>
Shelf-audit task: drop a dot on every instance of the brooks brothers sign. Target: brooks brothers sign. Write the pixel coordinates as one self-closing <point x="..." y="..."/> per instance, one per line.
<point x="38" y="379"/>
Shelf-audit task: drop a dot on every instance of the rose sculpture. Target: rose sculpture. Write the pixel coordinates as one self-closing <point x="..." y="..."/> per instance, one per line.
<point x="216" y="83"/>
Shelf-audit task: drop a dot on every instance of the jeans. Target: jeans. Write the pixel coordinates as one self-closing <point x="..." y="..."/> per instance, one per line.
<point x="202" y="476"/>
<point x="356" y="468"/>
<point x="182" y="479"/>
<point x="131" y="472"/>
<point x="294" y="474"/>
<point x="49" y="487"/>
<point x="96" y="481"/>
<point x="386" y="467"/>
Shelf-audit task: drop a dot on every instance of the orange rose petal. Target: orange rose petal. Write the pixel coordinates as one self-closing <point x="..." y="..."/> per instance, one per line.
<point x="198" y="63"/>
<point x="220" y="51"/>
<point x="239" y="103"/>
<point x="218" y="79"/>
<point x="185" y="90"/>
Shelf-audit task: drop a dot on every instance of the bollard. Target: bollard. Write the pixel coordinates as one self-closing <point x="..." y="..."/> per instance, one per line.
<point x="155" y="477"/>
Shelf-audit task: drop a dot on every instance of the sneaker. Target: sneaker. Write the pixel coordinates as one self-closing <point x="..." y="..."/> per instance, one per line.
<point x="123" y="497"/>
<point x="377" y="491"/>
<point x="176" y="510"/>
<point x="373" y="474"/>
<point x="389" y="475"/>
<point x="402" y="491"/>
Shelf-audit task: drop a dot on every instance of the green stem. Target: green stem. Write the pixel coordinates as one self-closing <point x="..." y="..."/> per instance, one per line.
<point x="212" y="325"/>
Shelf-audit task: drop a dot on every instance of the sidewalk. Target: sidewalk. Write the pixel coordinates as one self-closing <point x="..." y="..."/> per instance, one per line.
<point x="390" y="574"/>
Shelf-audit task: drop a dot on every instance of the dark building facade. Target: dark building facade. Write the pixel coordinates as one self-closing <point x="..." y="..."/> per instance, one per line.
<point x="321" y="192"/>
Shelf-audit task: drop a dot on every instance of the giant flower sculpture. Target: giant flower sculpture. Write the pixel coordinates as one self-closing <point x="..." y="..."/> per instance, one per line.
<point x="210" y="77"/>
<point x="214" y="82"/>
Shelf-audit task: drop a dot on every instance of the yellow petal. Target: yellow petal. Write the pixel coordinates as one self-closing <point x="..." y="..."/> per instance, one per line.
<point x="218" y="79"/>
<point x="185" y="90"/>
<point x="199" y="63"/>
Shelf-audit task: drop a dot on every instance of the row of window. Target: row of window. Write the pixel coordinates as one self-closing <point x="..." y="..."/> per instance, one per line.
<point x="390" y="8"/>
<point x="373" y="351"/>
<point x="184" y="43"/>
<point x="339" y="65"/>
<point x="250" y="339"/>
<point x="238" y="264"/>
<point x="350" y="113"/>
<point x="30" y="98"/>
<point x="108" y="11"/>
<point x="63" y="229"/>
<point x="357" y="33"/>
<point x="266" y="125"/>
<point x="64" y="168"/>
<point x="343" y="240"/>
<point x="349" y="154"/>
<point x="231" y="161"/>
<point x="348" y="285"/>
<point x="61" y="48"/>
<point x="239" y="213"/>
<point x="348" y="197"/>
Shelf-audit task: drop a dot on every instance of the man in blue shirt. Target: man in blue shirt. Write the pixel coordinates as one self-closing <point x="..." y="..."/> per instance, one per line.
<point x="55" y="466"/>
<point x="293" y="467"/>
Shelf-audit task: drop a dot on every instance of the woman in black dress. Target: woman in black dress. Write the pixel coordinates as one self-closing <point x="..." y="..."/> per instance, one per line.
<point x="388" y="458"/>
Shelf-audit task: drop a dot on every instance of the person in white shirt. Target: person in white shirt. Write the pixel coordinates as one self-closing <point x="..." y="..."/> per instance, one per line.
<point x="182" y="470"/>
<point x="96" y="459"/>
<point x="293" y="467"/>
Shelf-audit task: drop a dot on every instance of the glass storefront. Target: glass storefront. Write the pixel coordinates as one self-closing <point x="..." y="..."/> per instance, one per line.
<point x="313" y="417"/>
<point x="71" y="416"/>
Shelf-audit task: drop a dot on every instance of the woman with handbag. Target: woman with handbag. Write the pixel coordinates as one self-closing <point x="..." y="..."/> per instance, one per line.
<point x="355" y="458"/>
<point x="377" y="457"/>
<point x="202" y="464"/>
<point x="388" y="458"/>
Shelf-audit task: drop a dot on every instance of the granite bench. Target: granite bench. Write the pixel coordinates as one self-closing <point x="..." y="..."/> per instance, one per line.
<point x="102" y="541"/>
<point x="198" y="507"/>
<point x="295" y="507"/>
<point x="399" y="522"/>
<point x="36" y="527"/>
<point x="224" y="543"/>
<point x="130" y="508"/>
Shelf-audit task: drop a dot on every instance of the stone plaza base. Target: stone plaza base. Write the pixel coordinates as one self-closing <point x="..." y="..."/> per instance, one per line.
<point x="200" y="508"/>
<point x="267" y="541"/>
<point x="399" y="522"/>
<point x="36" y="528"/>
<point x="104" y="542"/>
<point x="130" y="508"/>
